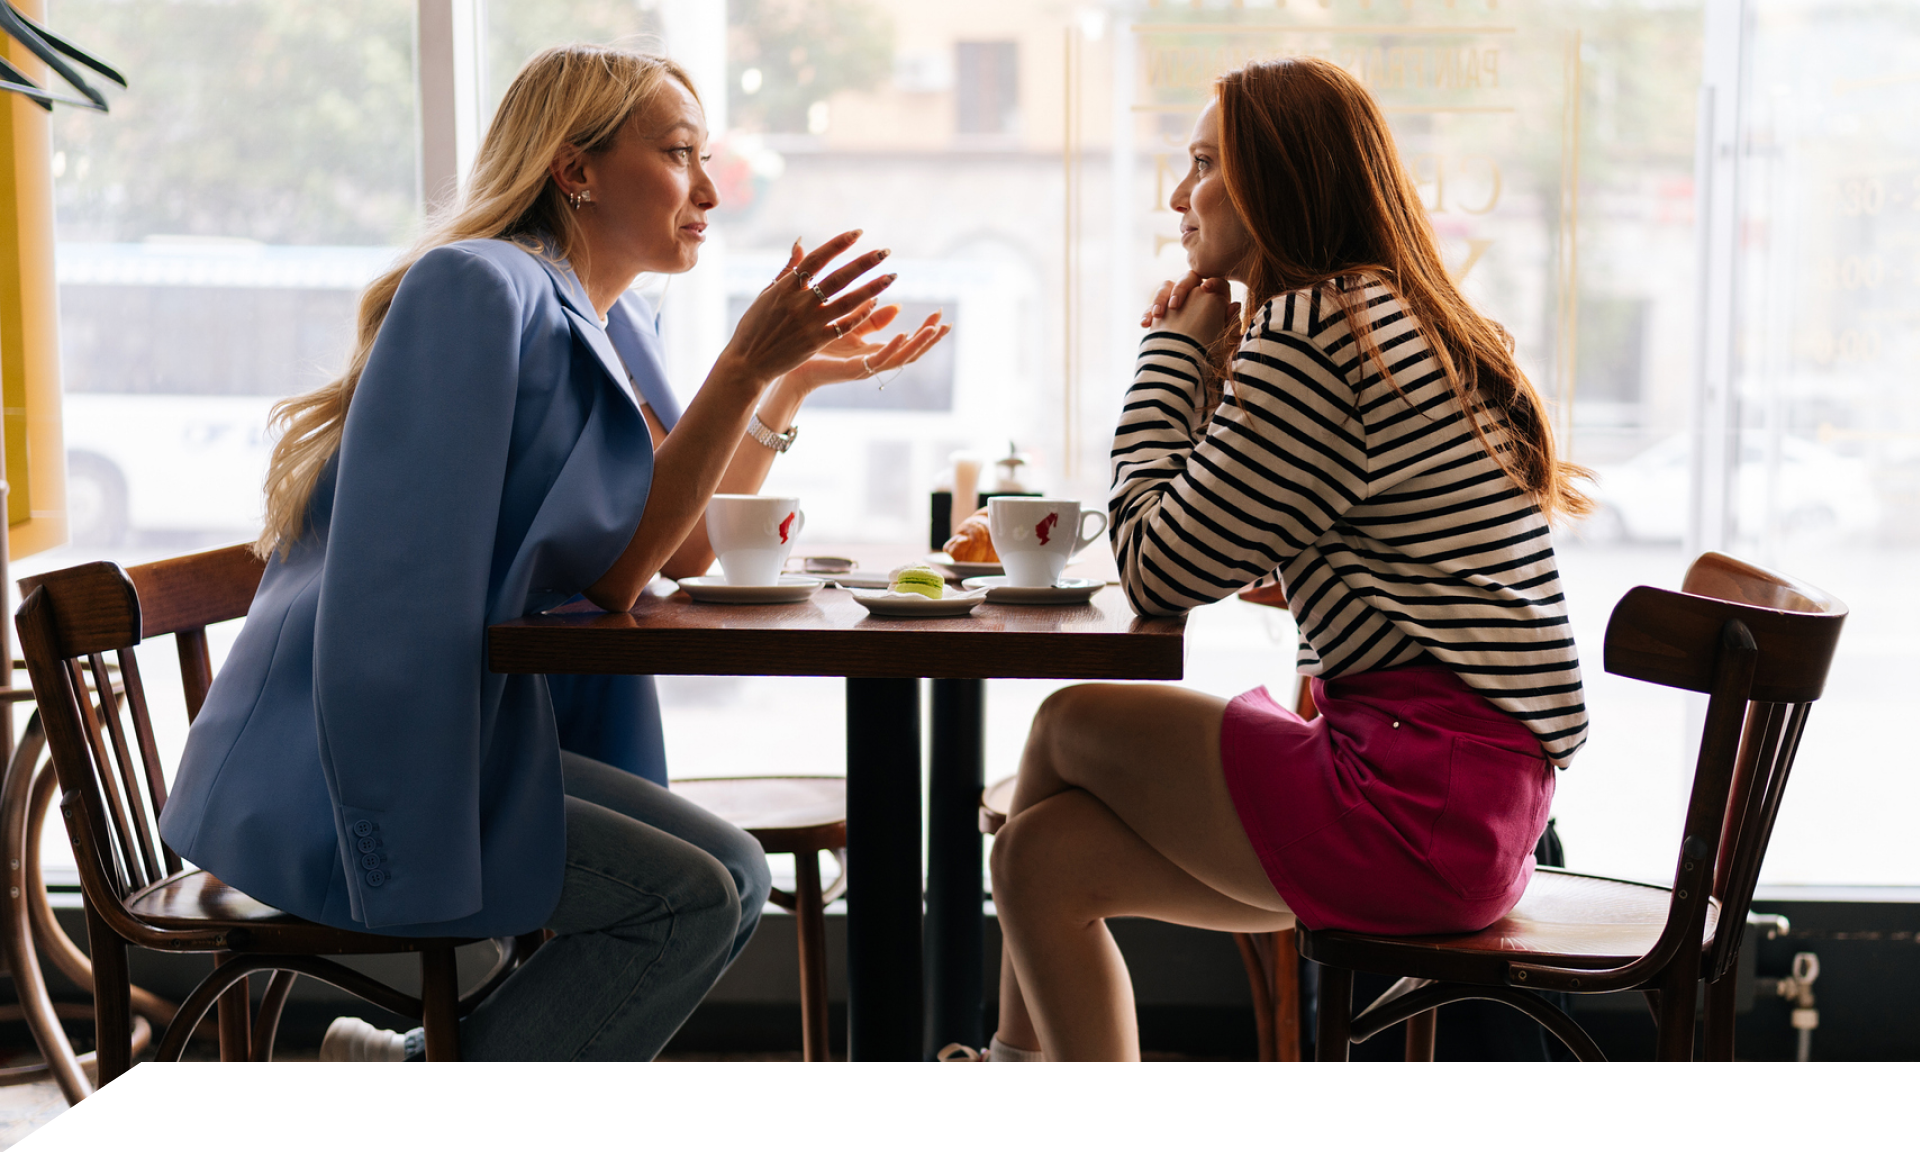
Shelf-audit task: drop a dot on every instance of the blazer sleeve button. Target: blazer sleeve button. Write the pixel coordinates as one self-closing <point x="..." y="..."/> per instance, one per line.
<point x="363" y="827"/>
<point x="376" y="878"/>
<point x="370" y="860"/>
<point x="368" y="844"/>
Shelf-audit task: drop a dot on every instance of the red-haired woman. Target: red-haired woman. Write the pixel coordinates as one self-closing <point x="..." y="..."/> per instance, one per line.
<point x="1365" y="435"/>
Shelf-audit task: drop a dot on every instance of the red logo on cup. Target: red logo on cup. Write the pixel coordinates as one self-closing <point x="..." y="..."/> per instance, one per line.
<point x="1043" y="529"/>
<point x="788" y="523"/>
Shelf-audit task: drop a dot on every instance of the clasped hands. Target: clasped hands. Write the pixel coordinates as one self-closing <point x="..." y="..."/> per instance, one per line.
<point x="1195" y="307"/>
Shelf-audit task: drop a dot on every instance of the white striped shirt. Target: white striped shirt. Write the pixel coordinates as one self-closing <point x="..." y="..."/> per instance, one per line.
<point x="1392" y="530"/>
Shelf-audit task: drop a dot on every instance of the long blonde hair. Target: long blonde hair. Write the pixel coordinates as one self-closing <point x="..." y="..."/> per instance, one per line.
<point x="579" y="94"/>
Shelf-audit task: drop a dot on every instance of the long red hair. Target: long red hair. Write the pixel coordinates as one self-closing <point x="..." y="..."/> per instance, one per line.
<point x="1312" y="169"/>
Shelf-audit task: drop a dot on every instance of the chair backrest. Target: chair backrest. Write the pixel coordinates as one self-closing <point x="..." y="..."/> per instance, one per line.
<point x="1759" y="645"/>
<point x="100" y="734"/>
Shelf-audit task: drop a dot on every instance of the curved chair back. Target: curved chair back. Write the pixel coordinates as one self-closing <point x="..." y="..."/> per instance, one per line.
<point x="1759" y="645"/>
<point x="70" y="623"/>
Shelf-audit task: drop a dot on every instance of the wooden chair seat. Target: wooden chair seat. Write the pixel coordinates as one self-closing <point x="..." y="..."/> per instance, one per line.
<point x="805" y="816"/>
<point x="784" y="813"/>
<point x="198" y="905"/>
<point x="1565" y="918"/>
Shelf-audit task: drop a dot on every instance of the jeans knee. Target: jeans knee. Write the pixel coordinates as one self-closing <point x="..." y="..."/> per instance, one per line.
<point x="710" y="915"/>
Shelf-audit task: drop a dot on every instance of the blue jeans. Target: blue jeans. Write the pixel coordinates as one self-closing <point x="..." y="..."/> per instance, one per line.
<point x="658" y="898"/>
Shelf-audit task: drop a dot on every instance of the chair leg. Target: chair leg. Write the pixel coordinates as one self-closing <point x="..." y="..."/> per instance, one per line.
<point x="1334" y="1007"/>
<point x="112" y="1007"/>
<point x="1720" y="1014"/>
<point x="1286" y="998"/>
<point x="1422" y="1030"/>
<point x="236" y="1031"/>
<point x="267" y="1024"/>
<point x="1674" y="1037"/>
<point x="1261" y="987"/>
<point x="810" y="921"/>
<point x="440" y="1003"/>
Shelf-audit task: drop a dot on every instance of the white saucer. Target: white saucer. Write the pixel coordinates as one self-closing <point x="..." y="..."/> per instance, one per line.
<point x="963" y="569"/>
<point x="716" y="590"/>
<point x="1069" y="590"/>
<point x="886" y="603"/>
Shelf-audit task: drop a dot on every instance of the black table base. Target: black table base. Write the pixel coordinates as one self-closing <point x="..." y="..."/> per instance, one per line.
<point x="892" y="1014"/>
<point x="883" y="870"/>
<point x="955" y="897"/>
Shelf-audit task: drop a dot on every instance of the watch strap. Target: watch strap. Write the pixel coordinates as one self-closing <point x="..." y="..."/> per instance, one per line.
<point x="778" y="441"/>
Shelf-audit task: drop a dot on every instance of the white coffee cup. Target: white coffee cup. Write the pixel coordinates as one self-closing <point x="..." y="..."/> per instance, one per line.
<point x="1035" y="536"/>
<point x="752" y="535"/>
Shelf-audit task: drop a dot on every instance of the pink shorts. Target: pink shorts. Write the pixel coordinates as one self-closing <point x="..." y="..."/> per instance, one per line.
<point x="1410" y="806"/>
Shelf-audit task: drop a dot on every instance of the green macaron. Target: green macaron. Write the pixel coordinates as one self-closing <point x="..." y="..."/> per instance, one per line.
<point x="920" y="580"/>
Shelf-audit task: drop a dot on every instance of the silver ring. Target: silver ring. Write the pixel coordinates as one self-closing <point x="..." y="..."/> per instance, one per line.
<point x="837" y="330"/>
<point x="815" y="289"/>
<point x="864" y="363"/>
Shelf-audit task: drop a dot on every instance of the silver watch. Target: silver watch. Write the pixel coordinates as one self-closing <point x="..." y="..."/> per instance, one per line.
<point x="778" y="441"/>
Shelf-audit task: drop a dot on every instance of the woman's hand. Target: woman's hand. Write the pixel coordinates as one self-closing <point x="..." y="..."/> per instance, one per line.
<point x="1195" y="308"/>
<point x="793" y="318"/>
<point x="854" y="357"/>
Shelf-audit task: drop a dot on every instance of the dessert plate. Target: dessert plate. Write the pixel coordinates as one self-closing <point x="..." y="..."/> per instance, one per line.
<point x="963" y="569"/>
<point x="885" y="603"/>
<point x="716" y="590"/>
<point x="1069" y="590"/>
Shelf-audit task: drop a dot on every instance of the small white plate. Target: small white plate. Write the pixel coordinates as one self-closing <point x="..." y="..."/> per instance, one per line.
<point x="963" y="569"/>
<point x="1070" y="590"/>
<point x="885" y="603"/>
<point x="716" y="590"/>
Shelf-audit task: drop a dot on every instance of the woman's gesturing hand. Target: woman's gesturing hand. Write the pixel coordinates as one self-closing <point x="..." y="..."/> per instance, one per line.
<point x="794" y="317"/>
<point x="854" y="357"/>
<point x="1196" y="308"/>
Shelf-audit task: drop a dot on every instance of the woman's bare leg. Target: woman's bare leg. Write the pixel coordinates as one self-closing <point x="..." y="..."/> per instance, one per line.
<point x="1121" y="809"/>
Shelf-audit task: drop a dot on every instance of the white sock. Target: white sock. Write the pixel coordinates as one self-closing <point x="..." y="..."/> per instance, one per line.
<point x="999" y="1050"/>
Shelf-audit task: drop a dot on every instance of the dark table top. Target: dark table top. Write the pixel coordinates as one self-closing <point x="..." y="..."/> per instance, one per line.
<point x="831" y="635"/>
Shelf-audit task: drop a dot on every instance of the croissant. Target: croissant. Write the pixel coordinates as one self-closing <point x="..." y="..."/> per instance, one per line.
<point x="971" y="544"/>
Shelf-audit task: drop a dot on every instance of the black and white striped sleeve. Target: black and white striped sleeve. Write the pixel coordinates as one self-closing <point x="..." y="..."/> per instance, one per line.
<point x="1196" y="515"/>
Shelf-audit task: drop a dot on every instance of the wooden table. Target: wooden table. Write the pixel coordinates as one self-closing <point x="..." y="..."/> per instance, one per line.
<point x="883" y="661"/>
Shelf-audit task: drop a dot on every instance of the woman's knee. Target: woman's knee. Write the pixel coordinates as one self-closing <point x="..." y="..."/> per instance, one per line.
<point x="1026" y="860"/>
<point x="1061" y="718"/>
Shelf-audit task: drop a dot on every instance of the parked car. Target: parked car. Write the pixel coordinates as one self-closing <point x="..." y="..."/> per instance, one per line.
<point x="1645" y="497"/>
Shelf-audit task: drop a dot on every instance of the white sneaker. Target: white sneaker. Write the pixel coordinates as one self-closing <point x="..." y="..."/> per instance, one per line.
<point x="351" y="1038"/>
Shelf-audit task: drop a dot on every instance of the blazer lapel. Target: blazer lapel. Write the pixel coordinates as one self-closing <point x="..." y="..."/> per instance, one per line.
<point x="580" y="314"/>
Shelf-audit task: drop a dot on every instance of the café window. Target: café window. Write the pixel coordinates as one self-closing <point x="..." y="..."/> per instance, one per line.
<point x="1018" y="159"/>
<point x="987" y="87"/>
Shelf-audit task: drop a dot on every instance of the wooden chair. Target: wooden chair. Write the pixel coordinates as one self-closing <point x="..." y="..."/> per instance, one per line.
<point x="137" y="891"/>
<point x="804" y="815"/>
<point x="1758" y="644"/>
<point x="29" y="930"/>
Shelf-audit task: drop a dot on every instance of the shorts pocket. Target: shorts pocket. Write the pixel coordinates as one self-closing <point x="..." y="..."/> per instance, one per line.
<point x="1497" y="803"/>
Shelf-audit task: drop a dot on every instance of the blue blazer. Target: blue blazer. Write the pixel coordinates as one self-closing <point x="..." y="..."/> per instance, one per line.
<point x="355" y="762"/>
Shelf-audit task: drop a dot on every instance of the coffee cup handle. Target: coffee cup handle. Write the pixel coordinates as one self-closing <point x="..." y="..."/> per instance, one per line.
<point x="799" y="525"/>
<point x="1087" y="537"/>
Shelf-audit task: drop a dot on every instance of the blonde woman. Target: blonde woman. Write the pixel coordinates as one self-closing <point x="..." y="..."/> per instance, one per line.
<point x="486" y="455"/>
